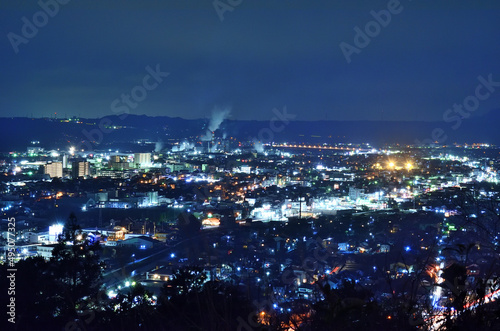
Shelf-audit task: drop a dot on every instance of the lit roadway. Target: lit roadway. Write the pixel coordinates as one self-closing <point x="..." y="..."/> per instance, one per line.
<point x="118" y="276"/>
<point x="434" y="322"/>
<point x="437" y="321"/>
<point x="318" y="147"/>
<point x="438" y="318"/>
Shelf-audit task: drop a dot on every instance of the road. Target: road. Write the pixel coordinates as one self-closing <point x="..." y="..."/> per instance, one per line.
<point x="117" y="277"/>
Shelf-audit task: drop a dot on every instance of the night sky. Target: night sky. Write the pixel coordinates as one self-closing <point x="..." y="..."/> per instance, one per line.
<point x="264" y="54"/>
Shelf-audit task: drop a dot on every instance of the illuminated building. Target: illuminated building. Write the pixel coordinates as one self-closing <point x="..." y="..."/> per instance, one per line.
<point x="211" y="222"/>
<point x="142" y="160"/>
<point x="80" y="169"/>
<point x="54" y="169"/>
<point x="54" y="232"/>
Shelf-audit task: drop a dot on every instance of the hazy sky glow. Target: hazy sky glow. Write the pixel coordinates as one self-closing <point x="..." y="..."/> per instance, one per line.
<point x="264" y="54"/>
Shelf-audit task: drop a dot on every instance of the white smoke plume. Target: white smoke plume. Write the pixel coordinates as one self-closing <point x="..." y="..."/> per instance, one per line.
<point x="184" y="146"/>
<point x="207" y="136"/>
<point x="158" y="146"/>
<point x="218" y="116"/>
<point x="257" y="145"/>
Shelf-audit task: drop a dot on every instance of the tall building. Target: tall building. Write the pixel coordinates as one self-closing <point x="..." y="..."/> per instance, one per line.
<point x="142" y="160"/>
<point x="53" y="169"/>
<point x="65" y="161"/>
<point x="80" y="169"/>
<point x="116" y="163"/>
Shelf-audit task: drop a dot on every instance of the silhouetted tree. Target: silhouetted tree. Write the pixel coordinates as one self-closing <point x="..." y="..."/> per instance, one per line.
<point x="50" y="294"/>
<point x="188" y="225"/>
<point x="188" y="302"/>
<point x="75" y="269"/>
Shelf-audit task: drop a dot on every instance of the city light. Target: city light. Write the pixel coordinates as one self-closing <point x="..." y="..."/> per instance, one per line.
<point x="332" y="209"/>
<point x="54" y="232"/>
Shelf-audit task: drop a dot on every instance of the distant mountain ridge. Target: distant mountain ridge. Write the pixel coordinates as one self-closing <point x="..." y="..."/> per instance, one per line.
<point x="16" y="133"/>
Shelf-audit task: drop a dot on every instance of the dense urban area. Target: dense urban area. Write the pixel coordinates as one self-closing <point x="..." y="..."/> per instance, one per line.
<point x="257" y="165"/>
<point x="221" y="234"/>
